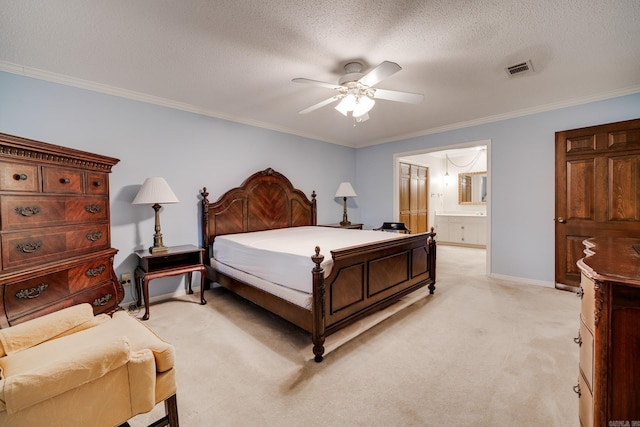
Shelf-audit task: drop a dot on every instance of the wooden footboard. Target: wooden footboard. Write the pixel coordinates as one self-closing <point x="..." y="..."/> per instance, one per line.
<point x="366" y="279"/>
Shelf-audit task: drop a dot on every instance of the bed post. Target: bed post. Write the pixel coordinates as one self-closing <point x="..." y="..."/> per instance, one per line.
<point x="317" y="332"/>
<point x="205" y="218"/>
<point x="314" y="209"/>
<point x="432" y="260"/>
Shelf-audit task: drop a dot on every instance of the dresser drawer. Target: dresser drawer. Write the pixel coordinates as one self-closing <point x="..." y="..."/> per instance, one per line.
<point x="585" y="404"/>
<point x="19" y="177"/>
<point x="20" y="212"/>
<point x="89" y="274"/>
<point x="588" y="304"/>
<point x="97" y="183"/>
<point x="31" y="247"/>
<point x="58" y="180"/>
<point x="34" y="294"/>
<point x="102" y="298"/>
<point x="586" y="354"/>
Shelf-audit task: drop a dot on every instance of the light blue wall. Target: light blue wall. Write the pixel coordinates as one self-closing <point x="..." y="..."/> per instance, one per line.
<point x="192" y="151"/>
<point x="189" y="150"/>
<point x="522" y="180"/>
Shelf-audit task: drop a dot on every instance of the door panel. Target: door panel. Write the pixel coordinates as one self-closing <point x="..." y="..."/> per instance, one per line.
<point x="414" y="187"/>
<point x="597" y="190"/>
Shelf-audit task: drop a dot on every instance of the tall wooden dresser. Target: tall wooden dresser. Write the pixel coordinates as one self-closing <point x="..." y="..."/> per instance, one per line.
<point x="54" y="230"/>
<point x="609" y="337"/>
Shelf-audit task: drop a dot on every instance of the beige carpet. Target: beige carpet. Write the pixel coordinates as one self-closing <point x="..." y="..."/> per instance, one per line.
<point x="480" y="352"/>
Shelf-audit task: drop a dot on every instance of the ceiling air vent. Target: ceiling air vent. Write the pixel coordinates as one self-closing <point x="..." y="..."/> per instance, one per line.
<point x="518" y="69"/>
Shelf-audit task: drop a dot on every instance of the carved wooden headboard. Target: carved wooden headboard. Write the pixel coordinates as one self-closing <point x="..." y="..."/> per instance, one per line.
<point x="266" y="200"/>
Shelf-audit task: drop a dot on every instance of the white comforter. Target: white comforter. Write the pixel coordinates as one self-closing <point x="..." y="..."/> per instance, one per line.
<point x="283" y="256"/>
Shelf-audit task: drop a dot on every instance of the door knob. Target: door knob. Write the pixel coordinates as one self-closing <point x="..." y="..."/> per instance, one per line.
<point x="561" y="220"/>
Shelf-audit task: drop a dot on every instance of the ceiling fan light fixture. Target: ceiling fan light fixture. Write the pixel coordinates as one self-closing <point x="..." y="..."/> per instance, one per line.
<point x="363" y="106"/>
<point x="348" y="103"/>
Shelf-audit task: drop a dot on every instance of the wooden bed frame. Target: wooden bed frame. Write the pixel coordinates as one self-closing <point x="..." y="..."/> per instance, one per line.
<point x="363" y="278"/>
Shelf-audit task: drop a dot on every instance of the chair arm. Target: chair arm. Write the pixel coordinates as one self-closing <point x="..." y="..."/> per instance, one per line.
<point x="63" y="373"/>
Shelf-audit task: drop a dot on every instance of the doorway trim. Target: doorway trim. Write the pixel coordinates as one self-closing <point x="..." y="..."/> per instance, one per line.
<point x="470" y="144"/>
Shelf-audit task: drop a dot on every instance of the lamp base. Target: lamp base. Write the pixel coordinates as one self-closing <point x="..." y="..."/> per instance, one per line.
<point x="345" y="222"/>
<point x="158" y="249"/>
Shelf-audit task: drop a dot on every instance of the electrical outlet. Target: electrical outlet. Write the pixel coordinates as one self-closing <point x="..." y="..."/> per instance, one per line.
<point x="125" y="279"/>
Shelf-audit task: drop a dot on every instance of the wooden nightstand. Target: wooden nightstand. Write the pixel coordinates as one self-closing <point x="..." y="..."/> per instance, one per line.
<point x="350" y="226"/>
<point x="177" y="260"/>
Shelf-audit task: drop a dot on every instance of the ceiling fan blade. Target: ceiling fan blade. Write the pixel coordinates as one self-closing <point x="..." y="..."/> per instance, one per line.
<point x="395" y="95"/>
<point x="316" y="83"/>
<point x="319" y="105"/>
<point x="381" y="72"/>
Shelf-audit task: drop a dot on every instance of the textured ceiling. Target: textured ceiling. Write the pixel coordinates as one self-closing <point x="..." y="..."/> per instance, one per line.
<point x="235" y="59"/>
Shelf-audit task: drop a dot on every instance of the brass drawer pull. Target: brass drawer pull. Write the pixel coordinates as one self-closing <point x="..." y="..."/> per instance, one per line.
<point x="94" y="272"/>
<point x="578" y="339"/>
<point x="92" y="209"/>
<point x="34" y="292"/>
<point x="29" y="247"/>
<point x="20" y="177"/>
<point x="65" y="180"/>
<point x="94" y="237"/>
<point x="97" y="183"/>
<point x="102" y="300"/>
<point x="28" y="211"/>
<point x="576" y="389"/>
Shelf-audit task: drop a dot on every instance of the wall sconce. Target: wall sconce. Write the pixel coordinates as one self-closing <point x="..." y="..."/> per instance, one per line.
<point x="345" y="190"/>
<point x="153" y="192"/>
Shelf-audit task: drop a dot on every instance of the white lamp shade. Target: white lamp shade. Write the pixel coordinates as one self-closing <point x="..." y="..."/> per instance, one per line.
<point x="155" y="190"/>
<point x="345" y="190"/>
<point x="364" y="105"/>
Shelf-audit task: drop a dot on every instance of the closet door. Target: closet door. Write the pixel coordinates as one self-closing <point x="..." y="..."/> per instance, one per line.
<point x="414" y="186"/>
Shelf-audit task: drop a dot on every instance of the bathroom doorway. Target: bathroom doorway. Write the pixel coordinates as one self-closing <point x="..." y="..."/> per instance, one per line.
<point x="458" y="193"/>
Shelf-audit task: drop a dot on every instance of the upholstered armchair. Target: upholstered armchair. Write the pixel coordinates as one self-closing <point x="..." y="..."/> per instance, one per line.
<point x="71" y="368"/>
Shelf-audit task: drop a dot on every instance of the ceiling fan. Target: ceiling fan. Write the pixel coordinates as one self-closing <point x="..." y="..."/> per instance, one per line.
<point x="356" y="93"/>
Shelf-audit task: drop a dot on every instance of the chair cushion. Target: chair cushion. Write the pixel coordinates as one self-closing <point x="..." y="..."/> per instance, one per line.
<point x="59" y="372"/>
<point x="44" y="328"/>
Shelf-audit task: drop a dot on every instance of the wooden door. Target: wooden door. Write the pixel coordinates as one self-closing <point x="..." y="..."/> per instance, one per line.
<point x="414" y="187"/>
<point x="597" y="191"/>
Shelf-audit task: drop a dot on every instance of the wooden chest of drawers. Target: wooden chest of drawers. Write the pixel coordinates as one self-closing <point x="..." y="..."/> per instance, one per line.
<point x="609" y="334"/>
<point x="55" y="238"/>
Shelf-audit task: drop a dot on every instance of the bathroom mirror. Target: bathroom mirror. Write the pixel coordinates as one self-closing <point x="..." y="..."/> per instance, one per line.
<point x="472" y="188"/>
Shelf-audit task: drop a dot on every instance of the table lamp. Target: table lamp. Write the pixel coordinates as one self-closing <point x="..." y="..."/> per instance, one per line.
<point x="345" y="190"/>
<point x="154" y="191"/>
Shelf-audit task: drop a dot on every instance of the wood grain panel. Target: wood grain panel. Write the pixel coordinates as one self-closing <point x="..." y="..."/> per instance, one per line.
<point x="624" y="189"/>
<point x="580" y="189"/>
<point x="348" y="289"/>
<point x="387" y="272"/>
<point x="582" y="143"/>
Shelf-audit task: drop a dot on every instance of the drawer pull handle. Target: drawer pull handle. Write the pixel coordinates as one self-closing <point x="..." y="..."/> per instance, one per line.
<point x="97" y="183"/>
<point x="576" y="389"/>
<point x="94" y="237"/>
<point x="29" y="247"/>
<point x="578" y="339"/>
<point x="20" y="177"/>
<point x="94" y="272"/>
<point x="31" y="293"/>
<point x="102" y="300"/>
<point x="28" y="211"/>
<point x="65" y="180"/>
<point x="93" y="209"/>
